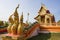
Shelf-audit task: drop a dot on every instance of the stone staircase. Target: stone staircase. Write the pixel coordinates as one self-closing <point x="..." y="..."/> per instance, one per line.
<point x="31" y="29"/>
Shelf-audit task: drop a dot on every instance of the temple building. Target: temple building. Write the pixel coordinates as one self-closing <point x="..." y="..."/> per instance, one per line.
<point x="44" y="16"/>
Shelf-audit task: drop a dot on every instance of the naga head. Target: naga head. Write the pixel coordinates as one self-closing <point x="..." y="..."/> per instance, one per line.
<point x="16" y="13"/>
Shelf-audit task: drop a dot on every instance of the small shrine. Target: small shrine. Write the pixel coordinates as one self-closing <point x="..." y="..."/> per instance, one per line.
<point x="44" y="16"/>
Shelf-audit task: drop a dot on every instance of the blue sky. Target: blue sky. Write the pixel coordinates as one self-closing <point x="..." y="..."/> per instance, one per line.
<point x="32" y="7"/>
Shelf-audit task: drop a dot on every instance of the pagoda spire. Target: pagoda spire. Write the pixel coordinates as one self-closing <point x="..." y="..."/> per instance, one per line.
<point x="43" y="5"/>
<point x="27" y="18"/>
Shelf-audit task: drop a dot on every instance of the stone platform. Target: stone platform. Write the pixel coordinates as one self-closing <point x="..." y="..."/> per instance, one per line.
<point x="51" y="29"/>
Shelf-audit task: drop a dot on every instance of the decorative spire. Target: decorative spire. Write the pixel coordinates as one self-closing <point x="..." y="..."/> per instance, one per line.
<point x="27" y="18"/>
<point x="43" y="5"/>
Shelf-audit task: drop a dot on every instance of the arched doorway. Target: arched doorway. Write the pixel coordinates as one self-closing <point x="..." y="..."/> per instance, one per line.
<point x="48" y="20"/>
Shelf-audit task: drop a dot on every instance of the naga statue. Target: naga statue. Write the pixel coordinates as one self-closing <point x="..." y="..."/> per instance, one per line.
<point x="16" y="26"/>
<point x="11" y="22"/>
<point x="20" y="26"/>
<point x="16" y="21"/>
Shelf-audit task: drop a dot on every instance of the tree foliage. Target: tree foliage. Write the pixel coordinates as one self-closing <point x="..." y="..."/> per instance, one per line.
<point x="6" y="24"/>
<point x="58" y="22"/>
<point x="1" y="23"/>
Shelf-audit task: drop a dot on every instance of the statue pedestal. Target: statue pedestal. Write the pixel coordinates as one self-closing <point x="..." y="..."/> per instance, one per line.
<point x="12" y="37"/>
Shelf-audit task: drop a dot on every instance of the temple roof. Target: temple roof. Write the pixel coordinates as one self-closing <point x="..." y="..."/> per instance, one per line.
<point x="43" y="11"/>
<point x="42" y="7"/>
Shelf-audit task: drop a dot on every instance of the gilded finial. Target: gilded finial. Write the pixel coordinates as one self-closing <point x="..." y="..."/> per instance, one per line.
<point x="43" y="5"/>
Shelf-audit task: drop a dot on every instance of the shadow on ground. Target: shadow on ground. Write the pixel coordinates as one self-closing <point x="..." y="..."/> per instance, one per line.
<point x="41" y="36"/>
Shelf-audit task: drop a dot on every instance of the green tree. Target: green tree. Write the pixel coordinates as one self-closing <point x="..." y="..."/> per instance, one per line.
<point x="1" y="23"/>
<point x="58" y="22"/>
<point x="6" y="24"/>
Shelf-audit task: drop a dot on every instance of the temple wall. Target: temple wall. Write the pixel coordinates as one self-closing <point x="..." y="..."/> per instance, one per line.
<point x="51" y="29"/>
